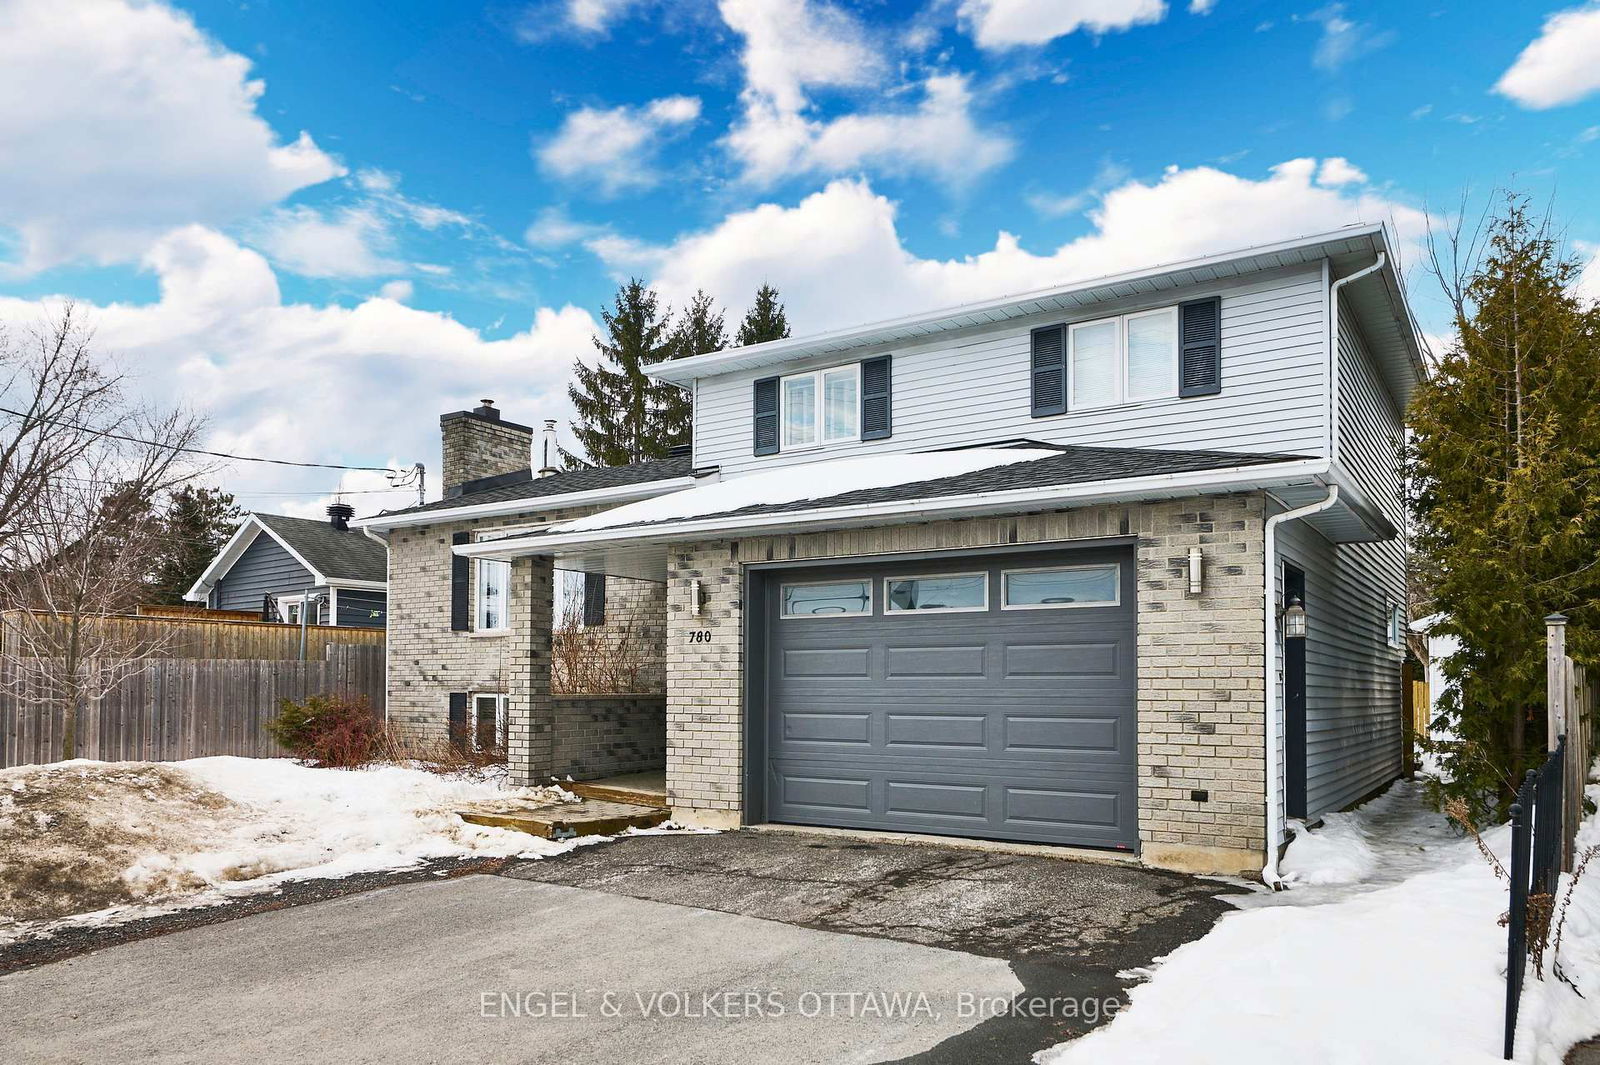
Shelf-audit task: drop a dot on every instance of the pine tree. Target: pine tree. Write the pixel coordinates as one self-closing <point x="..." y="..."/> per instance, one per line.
<point x="624" y="416"/>
<point x="765" y="320"/>
<point x="698" y="331"/>
<point x="197" y="522"/>
<point x="1506" y="486"/>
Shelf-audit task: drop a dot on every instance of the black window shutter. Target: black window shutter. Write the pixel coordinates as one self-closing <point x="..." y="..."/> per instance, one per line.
<point x="458" y="716"/>
<point x="766" y="416"/>
<point x="876" y="376"/>
<point x="1049" y="370"/>
<point x="460" y="589"/>
<point x="594" y="599"/>
<point x="1200" y="353"/>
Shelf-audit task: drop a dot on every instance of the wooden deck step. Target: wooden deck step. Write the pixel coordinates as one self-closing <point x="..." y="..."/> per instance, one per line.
<point x="564" y="820"/>
<point x="615" y="793"/>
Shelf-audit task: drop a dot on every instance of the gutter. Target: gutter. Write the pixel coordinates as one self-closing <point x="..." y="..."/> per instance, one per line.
<point x="1333" y="349"/>
<point x="618" y="494"/>
<point x="1233" y="478"/>
<point x="1269" y="872"/>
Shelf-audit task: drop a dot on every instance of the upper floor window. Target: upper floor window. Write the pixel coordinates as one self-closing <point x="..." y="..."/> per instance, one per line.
<point x="1126" y="359"/>
<point x="494" y="584"/>
<point x="822" y="407"/>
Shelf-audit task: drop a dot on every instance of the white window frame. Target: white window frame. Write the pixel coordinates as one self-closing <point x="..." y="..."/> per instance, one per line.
<point x="785" y="586"/>
<point x="501" y="718"/>
<point x="1115" y="600"/>
<point x="290" y="605"/>
<point x="889" y="607"/>
<point x="818" y="406"/>
<point x="482" y="568"/>
<point x="1119" y="375"/>
<point x="1394" y="624"/>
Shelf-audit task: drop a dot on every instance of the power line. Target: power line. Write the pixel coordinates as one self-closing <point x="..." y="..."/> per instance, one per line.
<point x="200" y="451"/>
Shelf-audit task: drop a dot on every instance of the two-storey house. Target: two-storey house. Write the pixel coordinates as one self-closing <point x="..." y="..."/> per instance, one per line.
<point x="1117" y="564"/>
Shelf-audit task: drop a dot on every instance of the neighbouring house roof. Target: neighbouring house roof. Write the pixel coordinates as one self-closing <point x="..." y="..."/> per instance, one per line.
<point x="521" y="491"/>
<point x="1378" y="300"/>
<point x="916" y="486"/>
<point x="336" y="556"/>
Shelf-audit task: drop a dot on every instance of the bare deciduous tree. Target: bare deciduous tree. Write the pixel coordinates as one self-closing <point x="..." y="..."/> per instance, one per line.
<point x="82" y="466"/>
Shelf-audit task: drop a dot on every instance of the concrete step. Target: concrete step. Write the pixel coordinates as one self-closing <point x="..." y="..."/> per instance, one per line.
<point x="564" y="820"/>
<point x="605" y="792"/>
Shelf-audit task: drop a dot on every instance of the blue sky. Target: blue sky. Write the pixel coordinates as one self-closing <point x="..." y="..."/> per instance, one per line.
<point x="324" y="224"/>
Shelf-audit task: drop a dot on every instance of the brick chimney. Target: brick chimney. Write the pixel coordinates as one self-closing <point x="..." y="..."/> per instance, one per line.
<point x="479" y="443"/>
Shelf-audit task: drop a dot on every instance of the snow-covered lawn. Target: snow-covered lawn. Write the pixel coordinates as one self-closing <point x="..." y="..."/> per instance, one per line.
<point x="1387" y="949"/>
<point x="100" y="842"/>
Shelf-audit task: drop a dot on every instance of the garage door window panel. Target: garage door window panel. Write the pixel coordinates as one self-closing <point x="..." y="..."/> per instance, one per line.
<point x="1062" y="587"/>
<point x="948" y="593"/>
<point x="827" y="599"/>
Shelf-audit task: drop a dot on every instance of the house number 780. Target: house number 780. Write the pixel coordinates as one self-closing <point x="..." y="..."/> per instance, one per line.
<point x="699" y="635"/>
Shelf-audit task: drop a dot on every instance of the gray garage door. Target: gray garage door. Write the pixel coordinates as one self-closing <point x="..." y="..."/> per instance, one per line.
<point x="992" y="696"/>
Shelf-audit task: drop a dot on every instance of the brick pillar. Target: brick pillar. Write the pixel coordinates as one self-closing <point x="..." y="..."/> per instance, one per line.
<point x="530" y="747"/>
<point x="705" y="686"/>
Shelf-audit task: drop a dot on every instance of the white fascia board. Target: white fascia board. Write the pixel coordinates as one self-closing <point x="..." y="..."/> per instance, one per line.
<point x="357" y="586"/>
<point x="678" y="371"/>
<point x="1233" y="478"/>
<point x="242" y="538"/>
<point x="625" y="493"/>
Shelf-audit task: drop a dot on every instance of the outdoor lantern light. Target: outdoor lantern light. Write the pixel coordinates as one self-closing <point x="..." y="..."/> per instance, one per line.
<point x="1294" y="620"/>
<point x="1197" y="569"/>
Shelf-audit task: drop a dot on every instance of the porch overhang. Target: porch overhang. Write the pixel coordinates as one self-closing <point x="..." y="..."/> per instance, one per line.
<point x="640" y="550"/>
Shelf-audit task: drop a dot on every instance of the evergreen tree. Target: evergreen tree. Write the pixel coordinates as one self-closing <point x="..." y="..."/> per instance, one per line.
<point x="698" y="331"/>
<point x="765" y="320"/>
<point x="197" y="522"/>
<point x="1506" y="486"/>
<point x="624" y="416"/>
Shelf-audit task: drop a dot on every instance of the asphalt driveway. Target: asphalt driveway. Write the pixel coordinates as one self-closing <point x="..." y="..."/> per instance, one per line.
<point x="738" y="947"/>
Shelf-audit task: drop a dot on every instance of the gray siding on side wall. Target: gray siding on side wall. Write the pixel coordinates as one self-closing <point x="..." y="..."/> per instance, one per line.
<point x="1353" y="741"/>
<point x="972" y="386"/>
<point x="264" y="567"/>
<point x="1371" y="425"/>
<point x="367" y="610"/>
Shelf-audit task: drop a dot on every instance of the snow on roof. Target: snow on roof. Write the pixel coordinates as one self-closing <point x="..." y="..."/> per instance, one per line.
<point x="817" y="480"/>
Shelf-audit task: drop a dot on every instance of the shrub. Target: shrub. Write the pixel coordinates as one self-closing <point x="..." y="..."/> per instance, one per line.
<point x="329" y="731"/>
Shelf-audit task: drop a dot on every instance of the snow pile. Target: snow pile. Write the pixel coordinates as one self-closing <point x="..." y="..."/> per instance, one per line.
<point x="95" y="837"/>
<point x="1398" y="971"/>
<point x="815" y="480"/>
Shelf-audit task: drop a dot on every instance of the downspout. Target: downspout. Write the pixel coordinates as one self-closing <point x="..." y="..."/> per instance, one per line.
<point x="1333" y="350"/>
<point x="1269" y="599"/>
<point x="375" y="538"/>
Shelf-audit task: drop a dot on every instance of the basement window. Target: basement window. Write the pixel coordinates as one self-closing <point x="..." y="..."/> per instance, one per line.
<point x="489" y="721"/>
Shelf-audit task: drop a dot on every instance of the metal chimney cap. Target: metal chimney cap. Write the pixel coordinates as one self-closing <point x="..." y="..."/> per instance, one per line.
<point x="487" y="410"/>
<point x="339" y="515"/>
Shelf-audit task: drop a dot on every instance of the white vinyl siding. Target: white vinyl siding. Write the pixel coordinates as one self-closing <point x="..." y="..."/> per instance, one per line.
<point x="974" y="385"/>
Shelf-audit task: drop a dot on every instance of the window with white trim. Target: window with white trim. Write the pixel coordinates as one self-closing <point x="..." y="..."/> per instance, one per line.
<point x="489" y="720"/>
<point x="827" y="598"/>
<point x="1127" y="359"/>
<point x="494" y="587"/>
<point x="1397" y="626"/>
<point x="821" y="407"/>
<point x="1056" y="587"/>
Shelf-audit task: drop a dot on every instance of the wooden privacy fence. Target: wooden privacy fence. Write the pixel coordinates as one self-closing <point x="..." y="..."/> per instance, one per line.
<point x="192" y="637"/>
<point x="171" y="708"/>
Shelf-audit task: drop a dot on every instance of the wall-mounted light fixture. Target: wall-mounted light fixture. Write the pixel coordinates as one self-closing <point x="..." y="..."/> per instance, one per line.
<point x="1294" y="619"/>
<point x="696" y="602"/>
<point x="1197" y="571"/>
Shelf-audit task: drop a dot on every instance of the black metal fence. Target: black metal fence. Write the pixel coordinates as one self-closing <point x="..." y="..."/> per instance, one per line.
<point x="1538" y="833"/>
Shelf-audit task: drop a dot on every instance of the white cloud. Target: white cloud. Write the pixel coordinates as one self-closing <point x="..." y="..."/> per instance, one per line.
<point x="938" y="137"/>
<point x="400" y="291"/>
<point x="1201" y="7"/>
<point x="616" y="147"/>
<point x="1589" y="280"/>
<point x="1561" y="66"/>
<point x="790" y="48"/>
<point x="838" y="258"/>
<point x="357" y="385"/>
<point x="1337" y="170"/>
<point x="996" y="24"/>
<point x="344" y="244"/>
<point x="596" y="16"/>
<point x="554" y="229"/>
<point x="121" y="120"/>
<point x="1343" y="39"/>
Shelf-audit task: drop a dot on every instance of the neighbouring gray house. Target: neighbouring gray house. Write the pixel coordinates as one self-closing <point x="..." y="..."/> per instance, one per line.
<point x="273" y="565"/>
<point x="1116" y="564"/>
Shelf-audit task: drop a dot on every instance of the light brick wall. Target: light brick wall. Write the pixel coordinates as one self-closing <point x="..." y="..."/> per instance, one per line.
<point x="602" y="735"/>
<point x="1200" y="670"/>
